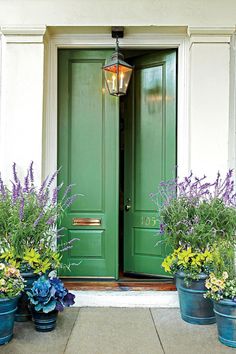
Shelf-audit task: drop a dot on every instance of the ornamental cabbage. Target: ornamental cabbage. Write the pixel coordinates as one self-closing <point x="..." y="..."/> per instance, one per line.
<point x="49" y="294"/>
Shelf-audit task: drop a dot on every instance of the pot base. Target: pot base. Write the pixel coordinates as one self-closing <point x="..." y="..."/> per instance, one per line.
<point x="197" y="320"/>
<point x="227" y="342"/>
<point x="5" y="340"/>
<point x="44" y="322"/>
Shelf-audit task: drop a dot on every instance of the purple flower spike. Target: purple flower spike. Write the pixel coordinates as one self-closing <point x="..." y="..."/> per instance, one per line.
<point x="21" y="212"/>
<point x="15" y="173"/>
<point x="26" y="184"/>
<point x="31" y="173"/>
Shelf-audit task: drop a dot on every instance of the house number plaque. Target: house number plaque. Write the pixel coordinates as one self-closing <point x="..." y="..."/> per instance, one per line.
<point x="148" y="220"/>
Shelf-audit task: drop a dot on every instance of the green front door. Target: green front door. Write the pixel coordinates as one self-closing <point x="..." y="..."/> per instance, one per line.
<point x="88" y="121"/>
<point x="150" y="157"/>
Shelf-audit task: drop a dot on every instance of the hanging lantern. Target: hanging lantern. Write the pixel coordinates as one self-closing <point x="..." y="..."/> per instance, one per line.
<point x="117" y="71"/>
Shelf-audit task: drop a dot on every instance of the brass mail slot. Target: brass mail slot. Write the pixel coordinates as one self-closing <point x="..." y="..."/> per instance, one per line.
<point x="86" y="222"/>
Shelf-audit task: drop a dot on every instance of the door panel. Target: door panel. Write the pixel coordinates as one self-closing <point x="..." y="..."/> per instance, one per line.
<point x="150" y="145"/>
<point x="88" y="153"/>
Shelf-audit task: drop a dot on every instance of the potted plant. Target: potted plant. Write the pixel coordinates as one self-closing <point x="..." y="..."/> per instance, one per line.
<point x="196" y="218"/>
<point x="11" y="285"/>
<point x="48" y="296"/>
<point x="28" y="220"/>
<point x="221" y="290"/>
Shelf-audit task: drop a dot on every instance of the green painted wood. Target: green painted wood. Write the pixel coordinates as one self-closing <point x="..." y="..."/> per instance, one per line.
<point x="150" y="143"/>
<point x="88" y="123"/>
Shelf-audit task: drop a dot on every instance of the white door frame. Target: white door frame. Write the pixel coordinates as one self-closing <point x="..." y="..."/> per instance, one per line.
<point x="131" y="41"/>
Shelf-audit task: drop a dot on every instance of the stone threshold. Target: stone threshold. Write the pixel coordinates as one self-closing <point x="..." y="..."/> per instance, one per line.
<point x="145" y="299"/>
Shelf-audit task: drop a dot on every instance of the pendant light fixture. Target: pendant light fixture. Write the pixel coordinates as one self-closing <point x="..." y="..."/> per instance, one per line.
<point x="117" y="71"/>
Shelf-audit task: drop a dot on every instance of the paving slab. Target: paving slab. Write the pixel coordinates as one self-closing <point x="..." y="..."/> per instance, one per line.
<point x="27" y="341"/>
<point x="179" y="337"/>
<point x="114" y="331"/>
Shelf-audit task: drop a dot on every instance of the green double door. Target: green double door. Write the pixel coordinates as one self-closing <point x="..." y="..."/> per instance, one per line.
<point x="88" y="151"/>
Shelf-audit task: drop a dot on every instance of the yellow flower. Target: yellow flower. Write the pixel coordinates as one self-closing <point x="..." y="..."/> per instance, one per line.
<point x="225" y="275"/>
<point x="2" y="282"/>
<point x="2" y="266"/>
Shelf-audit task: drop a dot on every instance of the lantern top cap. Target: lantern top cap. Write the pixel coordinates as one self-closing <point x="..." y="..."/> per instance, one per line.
<point x="117" y="32"/>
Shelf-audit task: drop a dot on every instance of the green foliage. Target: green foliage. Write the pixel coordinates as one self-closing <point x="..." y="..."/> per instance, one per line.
<point x="200" y="225"/>
<point x="11" y="283"/>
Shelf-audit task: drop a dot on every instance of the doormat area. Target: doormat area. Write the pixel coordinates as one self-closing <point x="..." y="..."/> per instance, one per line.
<point x="164" y="299"/>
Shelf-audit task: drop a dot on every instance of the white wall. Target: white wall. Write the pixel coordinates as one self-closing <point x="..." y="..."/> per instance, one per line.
<point x="21" y="103"/>
<point x="209" y="107"/>
<point x="122" y="12"/>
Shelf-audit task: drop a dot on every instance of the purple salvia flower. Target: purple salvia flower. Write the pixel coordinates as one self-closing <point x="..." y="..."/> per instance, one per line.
<point x="26" y="183"/>
<point x="162" y="228"/>
<point x="67" y="191"/>
<point x="53" y="177"/>
<point x="55" y="193"/>
<point x="21" y="211"/>
<point x="50" y="221"/>
<point x="31" y="173"/>
<point x="70" y="201"/>
<point x="2" y="188"/>
<point x="15" y="173"/>
<point x="39" y="218"/>
<point x="14" y="193"/>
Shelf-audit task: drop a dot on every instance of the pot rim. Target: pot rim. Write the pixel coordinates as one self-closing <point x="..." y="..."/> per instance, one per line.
<point x="226" y="302"/>
<point x="5" y="299"/>
<point x="181" y="274"/>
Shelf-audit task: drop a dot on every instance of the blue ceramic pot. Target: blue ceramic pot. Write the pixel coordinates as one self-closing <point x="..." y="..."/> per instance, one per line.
<point x="44" y="322"/>
<point x="225" y="311"/>
<point x="23" y="313"/>
<point x="194" y="307"/>
<point x="7" y="313"/>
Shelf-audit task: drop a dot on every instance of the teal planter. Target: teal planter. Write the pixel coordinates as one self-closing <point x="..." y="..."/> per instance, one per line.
<point x="225" y="311"/>
<point x="44" y="322"/>
<point x="7" y="313"/>
<point x="23" y="313"/>
<point x="194" y="308"/>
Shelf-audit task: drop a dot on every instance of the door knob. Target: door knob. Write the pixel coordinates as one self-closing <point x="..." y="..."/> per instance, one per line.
<point x="128" y="206"/>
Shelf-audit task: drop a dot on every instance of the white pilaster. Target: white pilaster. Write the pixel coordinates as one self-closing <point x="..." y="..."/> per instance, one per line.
<point x="21" y="98"/>
<point x="209" y="99"/>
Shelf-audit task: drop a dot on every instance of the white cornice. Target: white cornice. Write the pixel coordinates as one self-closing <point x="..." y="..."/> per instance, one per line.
<point x="23" y="34"/>
<point x="211" y="34"/>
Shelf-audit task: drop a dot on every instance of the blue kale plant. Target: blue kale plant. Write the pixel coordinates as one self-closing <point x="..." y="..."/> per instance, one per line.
<point x="49" y="294"/>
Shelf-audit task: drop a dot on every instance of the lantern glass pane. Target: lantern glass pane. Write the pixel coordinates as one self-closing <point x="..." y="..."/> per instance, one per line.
<point x="111" y="81"/>
<point x="117" y="79"/>
<point x="124" y="78"/>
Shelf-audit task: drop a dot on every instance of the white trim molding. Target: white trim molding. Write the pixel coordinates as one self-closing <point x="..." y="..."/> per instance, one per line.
<point x="23" y="34"/>
<point x="210" y="34"/>
<point x="131" y="40"/>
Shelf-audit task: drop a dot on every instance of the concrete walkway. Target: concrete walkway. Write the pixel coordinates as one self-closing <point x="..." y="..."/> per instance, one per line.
<point x="117" y="331"/>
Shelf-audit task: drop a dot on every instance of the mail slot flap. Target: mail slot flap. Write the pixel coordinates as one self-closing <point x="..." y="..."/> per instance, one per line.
<point x="86" y="222"/>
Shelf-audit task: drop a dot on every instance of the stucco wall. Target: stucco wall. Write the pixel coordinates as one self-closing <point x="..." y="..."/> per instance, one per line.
<point x="122" y="12"/>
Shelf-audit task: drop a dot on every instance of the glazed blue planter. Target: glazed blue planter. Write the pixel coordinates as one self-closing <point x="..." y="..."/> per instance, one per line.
<point x="194" y="308"/>
<point x="23" y="313"/>
<point x="7" y="314"/>
<point x="225" y="311"/>
<point x="44" y="322"/>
